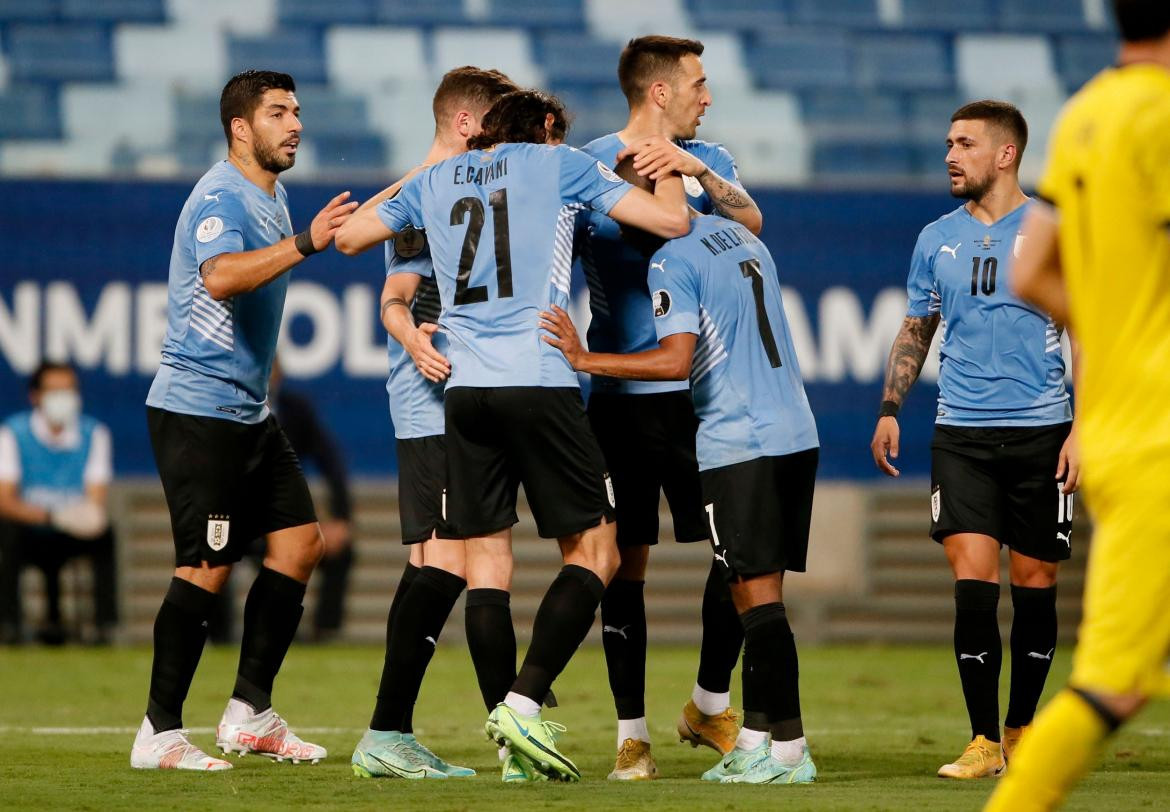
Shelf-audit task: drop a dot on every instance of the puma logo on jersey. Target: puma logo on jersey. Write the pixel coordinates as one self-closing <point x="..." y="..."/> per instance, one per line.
<point x="978" y="657"/>
<point x="214" y="197"/>
<point x="1065" y="538"/>
<point x="721" y="558"/>
<point x="616" y="630"/>
<point x="1038" y="656"/>
<point x="660" y="265"/>
<point x="949" y="250"/>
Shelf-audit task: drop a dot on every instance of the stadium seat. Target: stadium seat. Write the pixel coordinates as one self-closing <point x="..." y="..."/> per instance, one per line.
<point x="350" y="152"/>
<point x="724" y="61"/>
<point x="929" y="116"/>
<point x="367" y="58"/>
<point x="577" y="59"/>
<point x="507" y="49"/>
<point x="1081" y="56"/>
<point x="621" y="19"/>
<point x="836" y="113"/>
<point x="196" y="153"/>
<point x="53" y="159"/>
<point x="973" y="15"/>
<point x="196" y="58"/>
<point x="141" y="115"/>
<point x="998" y="66"/>
<point x="800" y="59"/>
<point x="327" y="111"/>
<point x="335" y="12"/>
<point x="59" y="53"/>
<point x="863" y="161"/>
<point x="742" y="15"/>
<point x="252" y="17"/>
<point x="429" y="13"/>
<point x="593" y="110"/>
<point x="1042" y="16"/>
<point x="29" y="111"/>
<point x="763" y="131"/>
<point x="536" y="13"/>
<point x="40" y="11"/>
<point x="296" y="51"/>
<point x="836" y="13"/>
<point x="912" y="61"/>
<point x="114" y="11"/>
<point x="197" y="115"/>
<point x="402" y="113"/>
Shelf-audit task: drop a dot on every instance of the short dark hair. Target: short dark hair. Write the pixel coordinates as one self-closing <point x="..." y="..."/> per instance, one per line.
<point x="37" y="379"/>
<point x="471" y="87"/>
<point x="1003" y="115"/>
<point x="519" y="117"/>
<point x="243" y="92"/>
<point x="1141" y="20"/>
<point x="646" y="60"/>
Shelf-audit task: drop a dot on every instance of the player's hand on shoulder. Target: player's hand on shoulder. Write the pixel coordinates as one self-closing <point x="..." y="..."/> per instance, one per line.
<point x="885" y="442"/>
<point x="324" y="226"/>
<point x="564" y="335"/>
<point x="657" y="157"/>
<point x="433" y="365"/>
<point x="1068" y="464"/>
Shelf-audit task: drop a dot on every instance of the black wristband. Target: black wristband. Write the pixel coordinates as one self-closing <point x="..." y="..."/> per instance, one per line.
<point x="304" y="243"/>
<point x="888" y="409"/>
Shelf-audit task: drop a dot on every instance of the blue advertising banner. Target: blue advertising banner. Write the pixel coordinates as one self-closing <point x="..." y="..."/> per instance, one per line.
<point x="83" y="278"/>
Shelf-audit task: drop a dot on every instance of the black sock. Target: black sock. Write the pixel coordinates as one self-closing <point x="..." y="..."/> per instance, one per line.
<point x="421" y="616"/>
<point x="271" y="615"/>
<point x="562" y="621"/>
<point x="771" y="688"/>
<point x="978" y="653"/>
<point x="491" y="639"/>
<point x="409" y="573"/>
<point x="1033" y="643"/>
<point x="180" y="630"/>
<point x="722" y="635"/>
<point x="623" y="635"/>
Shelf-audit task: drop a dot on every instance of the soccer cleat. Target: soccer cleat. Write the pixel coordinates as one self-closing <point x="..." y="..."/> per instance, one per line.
<point x="388" y="754"/>
<point x="518" y="768"/>
<point x="771" y="771"/>
<point x="981" y="759"/>
<point x="634" y="762"/>
<point x="717" y="732"/>
<point x="736" y="762"/>
<point x="170" y="750"/>
<point x="534" y="738"/>
<point x="450" y="770"/>
<point x="243" y="731"/>
<point x="1011" y="740"/>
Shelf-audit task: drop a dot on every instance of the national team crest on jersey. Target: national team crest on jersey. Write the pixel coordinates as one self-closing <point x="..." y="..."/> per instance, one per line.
<point x="217" y="532"/>
<point x="409" y="242"/>
<point x="661" y="299"/>
<point x="935" y="503"/>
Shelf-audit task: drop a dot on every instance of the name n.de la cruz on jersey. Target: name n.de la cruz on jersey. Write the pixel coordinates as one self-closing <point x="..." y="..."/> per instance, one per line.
<point x="726" y="238"/>
<point x="465" y="173"/>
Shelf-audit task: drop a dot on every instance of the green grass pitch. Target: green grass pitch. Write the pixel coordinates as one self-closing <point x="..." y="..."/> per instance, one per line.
<point x="879" y="719"/>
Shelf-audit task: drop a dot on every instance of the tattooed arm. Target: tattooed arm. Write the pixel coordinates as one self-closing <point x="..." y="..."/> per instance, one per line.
<point x="732" y="202"/>
<point x="906" y="359"/>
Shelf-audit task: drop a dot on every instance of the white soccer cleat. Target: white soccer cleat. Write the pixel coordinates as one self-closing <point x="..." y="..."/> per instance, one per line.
<point x="170" y="750"/>
<point x="243" y="731"/>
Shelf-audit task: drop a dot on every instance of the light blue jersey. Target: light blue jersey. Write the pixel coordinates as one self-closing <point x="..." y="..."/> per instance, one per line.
<point x="416" y="404"/>
<point x="1000" y="357"/>
<point x="616" y="274"/>
<point x="720" y="283"/>
<point x="217" y="355"/>
<point x="500" y="227"/>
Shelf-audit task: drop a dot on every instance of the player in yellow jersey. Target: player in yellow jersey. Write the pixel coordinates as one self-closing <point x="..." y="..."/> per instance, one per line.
<point x="1097" y="257"/>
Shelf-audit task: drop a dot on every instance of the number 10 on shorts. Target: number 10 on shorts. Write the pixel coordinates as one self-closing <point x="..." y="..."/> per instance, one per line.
<point x="1064" y="506"/>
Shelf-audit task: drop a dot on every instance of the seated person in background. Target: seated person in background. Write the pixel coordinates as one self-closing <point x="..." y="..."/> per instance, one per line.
<point x="55" y="470"/>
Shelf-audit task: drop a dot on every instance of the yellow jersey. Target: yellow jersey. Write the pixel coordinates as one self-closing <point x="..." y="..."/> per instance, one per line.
<point x="1108" y="175"/>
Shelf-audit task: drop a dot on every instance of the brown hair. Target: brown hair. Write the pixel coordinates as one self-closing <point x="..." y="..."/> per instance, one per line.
<point x="519" y="118"/>
<point x="243" y="92"/>
<point x="1003" y="115"/>
<point x="646" y="60"/>
<point x="468" y="87"/>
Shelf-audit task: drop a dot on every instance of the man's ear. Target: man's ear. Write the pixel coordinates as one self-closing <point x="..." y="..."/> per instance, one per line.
<point x="659" y="93"/>
<point x="241" y="130"/>
<point x="464" y="123"/>
<point x="1007" y="155"/>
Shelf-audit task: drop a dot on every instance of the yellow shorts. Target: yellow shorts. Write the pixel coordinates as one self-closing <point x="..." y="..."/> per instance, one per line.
<point x="1124" y="639"/>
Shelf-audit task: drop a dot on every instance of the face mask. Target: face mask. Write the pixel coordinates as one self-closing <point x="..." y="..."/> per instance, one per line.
<point x="61" y="407"/>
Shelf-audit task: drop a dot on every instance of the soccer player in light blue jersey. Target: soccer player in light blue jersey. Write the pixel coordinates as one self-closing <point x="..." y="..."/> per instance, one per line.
<point x="646" y="429"/>
<point x="1004" y="464"/>
<point x="499" y="222"/>
<point x="227" y="469"/>
<point x="718" y="314"/>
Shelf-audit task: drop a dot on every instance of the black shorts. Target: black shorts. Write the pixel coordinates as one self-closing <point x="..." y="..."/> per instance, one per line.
<point x="498" y="438"/>
<point x="226" y="484"/>
<point x="759" y="513"/>
<point x="649" y="445"/>
<point x="422" y="488"/>
<point x="1000" y="482"/>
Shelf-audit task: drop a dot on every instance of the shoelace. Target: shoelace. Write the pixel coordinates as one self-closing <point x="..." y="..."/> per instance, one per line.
<point x="181" y="743"/>
<point x="553" y="729"/>
<point x="409" y="754"/>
